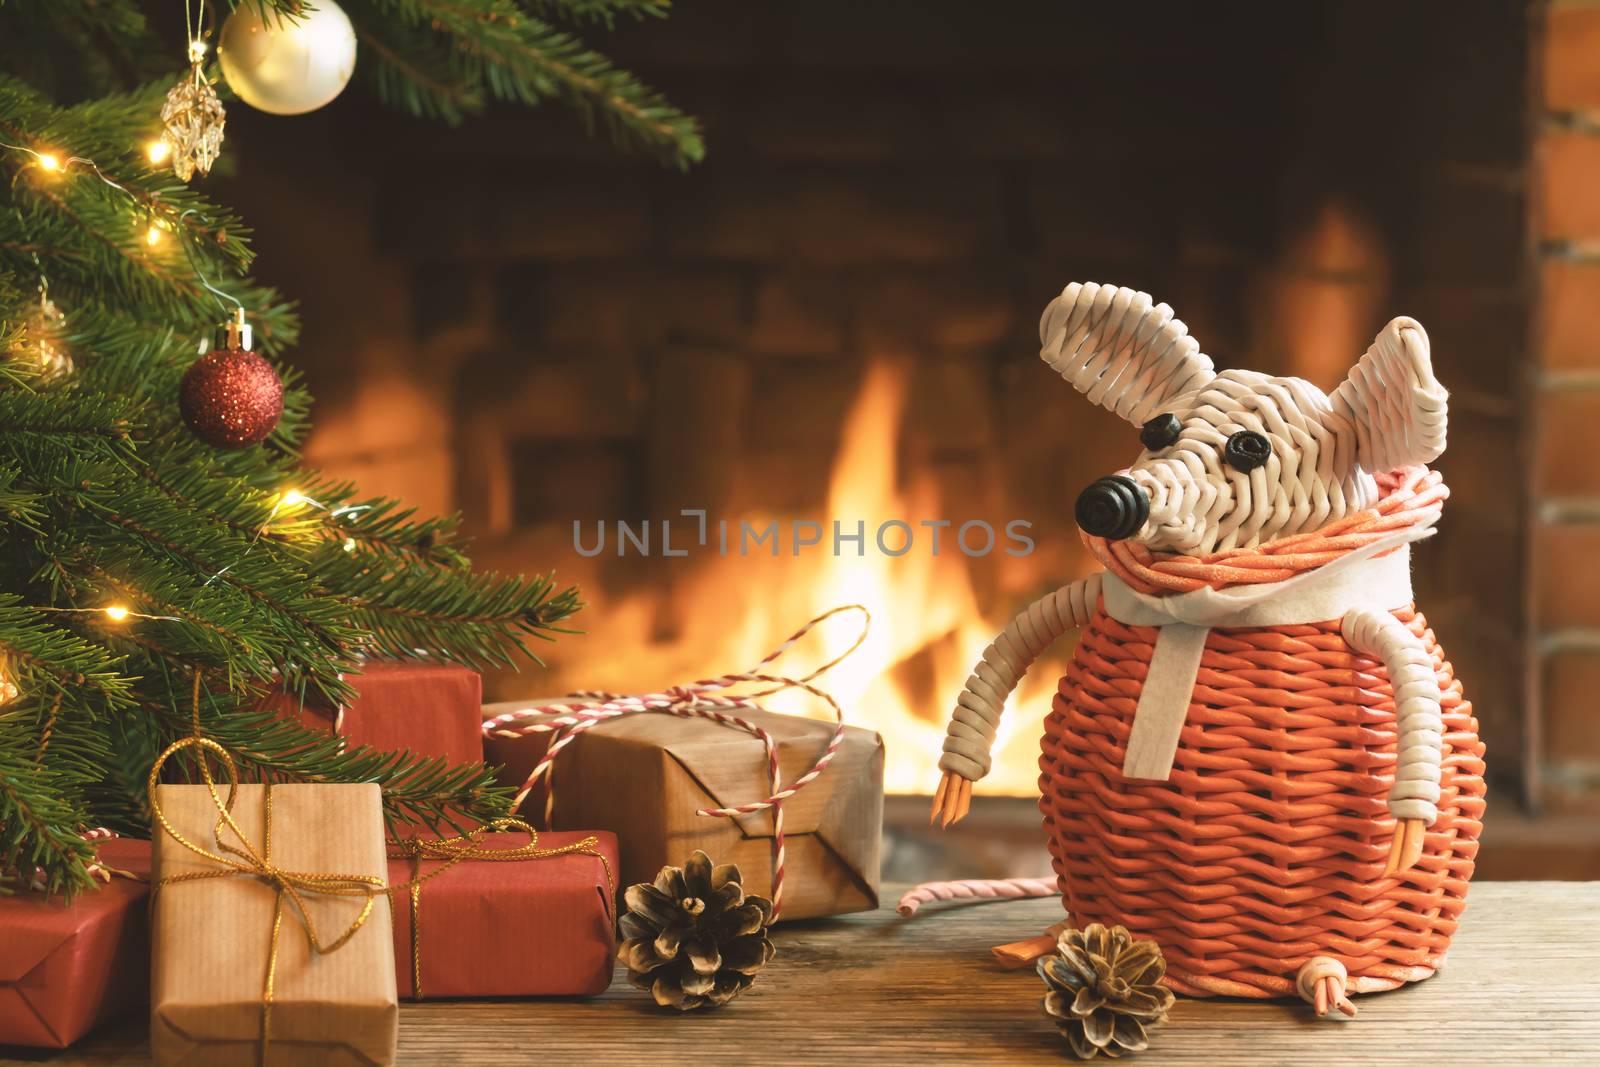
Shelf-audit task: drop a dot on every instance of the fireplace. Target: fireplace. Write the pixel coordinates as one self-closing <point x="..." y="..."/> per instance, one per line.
<point x="834" y="318"/>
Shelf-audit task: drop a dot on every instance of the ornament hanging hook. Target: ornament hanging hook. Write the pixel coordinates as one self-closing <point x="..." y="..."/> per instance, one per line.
<point x="220" y="295"/>
<point x="194" y="24"/>
<point x="238" y="330"/>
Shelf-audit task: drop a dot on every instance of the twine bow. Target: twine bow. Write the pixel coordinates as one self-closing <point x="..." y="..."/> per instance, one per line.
<point x="702" y="699"/>
<point x="248" y="861"/>
<point x="454" y="850"/>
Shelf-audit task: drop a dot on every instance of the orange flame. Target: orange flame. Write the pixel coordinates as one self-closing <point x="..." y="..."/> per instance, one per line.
<point x="927" y="629"/>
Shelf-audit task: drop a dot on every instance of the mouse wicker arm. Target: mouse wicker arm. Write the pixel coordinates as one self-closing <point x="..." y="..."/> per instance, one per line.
<point x="1419" y="722"/>
<point x="976" y="717"/>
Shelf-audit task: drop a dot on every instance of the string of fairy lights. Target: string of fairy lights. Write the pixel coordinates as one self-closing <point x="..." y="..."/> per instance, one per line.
<point x="159" y="223"/>
<point x="156" y="223"/>
<point x="118" y="613"/>
<point x="44" y="333"/>
<point x="288" y="500"/>
<point x="192" y="120"/>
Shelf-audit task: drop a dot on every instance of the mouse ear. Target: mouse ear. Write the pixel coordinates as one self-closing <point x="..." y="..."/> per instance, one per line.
<point x="1397" y="406"/>
<point x="1121" y="350"/>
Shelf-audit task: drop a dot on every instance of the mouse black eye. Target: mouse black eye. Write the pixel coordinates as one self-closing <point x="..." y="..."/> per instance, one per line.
<point x="1247" y="450"/>
<point x="1160" y="432"/>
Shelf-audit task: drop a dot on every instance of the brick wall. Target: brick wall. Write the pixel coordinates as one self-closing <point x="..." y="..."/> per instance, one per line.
<point x="516" y="321"/>
<point x="1563" y="766"/>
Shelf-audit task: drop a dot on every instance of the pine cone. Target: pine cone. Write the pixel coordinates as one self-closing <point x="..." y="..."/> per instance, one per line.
<point x="693" y="939"/>
<point x="1105" y="992"/>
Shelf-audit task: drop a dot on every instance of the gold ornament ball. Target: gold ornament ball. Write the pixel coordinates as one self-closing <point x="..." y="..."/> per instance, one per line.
<point x="287" y="66"/>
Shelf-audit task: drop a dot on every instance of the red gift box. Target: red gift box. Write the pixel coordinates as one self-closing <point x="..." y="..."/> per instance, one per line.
<point x="66" y="967"/>
<point x="540" y="926"/>
<point x="432" y="709"/>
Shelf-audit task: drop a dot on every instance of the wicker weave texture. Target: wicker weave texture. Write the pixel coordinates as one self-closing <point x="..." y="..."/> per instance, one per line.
<point x="1267" y="844"/>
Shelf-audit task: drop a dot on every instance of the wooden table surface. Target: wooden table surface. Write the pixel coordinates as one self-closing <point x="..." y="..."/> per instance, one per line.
<point x="1523" y="986"/>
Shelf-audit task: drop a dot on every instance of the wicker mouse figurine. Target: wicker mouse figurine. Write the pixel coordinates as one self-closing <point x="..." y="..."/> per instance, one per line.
<point x="1259" y="756"/>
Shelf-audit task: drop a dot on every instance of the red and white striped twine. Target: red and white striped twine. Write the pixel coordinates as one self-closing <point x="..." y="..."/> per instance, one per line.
<point x="698" y="699"/>
<point x="999" y="889"/>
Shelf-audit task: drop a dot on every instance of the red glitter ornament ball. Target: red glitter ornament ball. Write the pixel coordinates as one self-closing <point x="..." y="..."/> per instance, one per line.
<point x="231" y="398"/>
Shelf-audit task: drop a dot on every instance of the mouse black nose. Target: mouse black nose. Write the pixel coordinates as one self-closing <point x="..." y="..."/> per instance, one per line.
<point x="1113" y="507"/>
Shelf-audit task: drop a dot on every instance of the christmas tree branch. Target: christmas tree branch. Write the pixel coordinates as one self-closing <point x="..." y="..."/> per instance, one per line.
<point x="38" y="821"/>
<point x="18" y="505"/>
<point x="417" y="790"/>
<point x="92" y="215"/>
<point x="423" y="87"/>
<point x="473" y="47"/>
<point x="604" y="12"/>
<point x="97" y="137"/>
<point x="480" y="620"/>
<point x="42" y="658"/>
<point x="320" y="657"/>
<point x="226" y="635"/>
<point x="67" y="420"/>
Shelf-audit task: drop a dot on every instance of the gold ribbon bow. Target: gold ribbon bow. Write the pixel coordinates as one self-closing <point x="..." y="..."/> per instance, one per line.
<point x="454" y="850"/>
<point x="248" y="861"/>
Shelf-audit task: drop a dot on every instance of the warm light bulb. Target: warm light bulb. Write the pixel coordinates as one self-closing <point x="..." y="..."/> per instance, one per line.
<point x="197" y="50"/>
<point x="158" y="151"/>
<point x="292" y="498"/>
<point x="49" y="161"/>
<point x="349" y="544"/>
<point x="152" y="236"/>
<point x="116" y="613"/>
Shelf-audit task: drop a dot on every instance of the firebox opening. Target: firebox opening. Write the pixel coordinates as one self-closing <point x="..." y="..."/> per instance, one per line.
<point x="835" y="316"/>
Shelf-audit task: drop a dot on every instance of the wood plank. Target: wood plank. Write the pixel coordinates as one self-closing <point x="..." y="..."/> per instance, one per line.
<point x="1522" y="987"/>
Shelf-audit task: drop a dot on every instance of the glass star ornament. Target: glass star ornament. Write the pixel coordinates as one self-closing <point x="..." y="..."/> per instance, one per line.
<point x="192" y="119"/>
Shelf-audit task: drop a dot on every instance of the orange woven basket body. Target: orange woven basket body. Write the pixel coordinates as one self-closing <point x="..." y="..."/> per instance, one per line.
<point x="1267" y="845"/>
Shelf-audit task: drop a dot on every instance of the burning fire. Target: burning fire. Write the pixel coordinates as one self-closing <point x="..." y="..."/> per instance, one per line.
<point x="927" y="630"/>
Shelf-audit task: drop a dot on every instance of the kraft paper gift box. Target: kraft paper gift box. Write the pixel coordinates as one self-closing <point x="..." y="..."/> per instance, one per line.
<point x="535" y="927"/>
<point x="644" y="776"/>
<point x="211" y="937"/>
<point x="66" y="967"/>
<point x="431" y="709"/>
